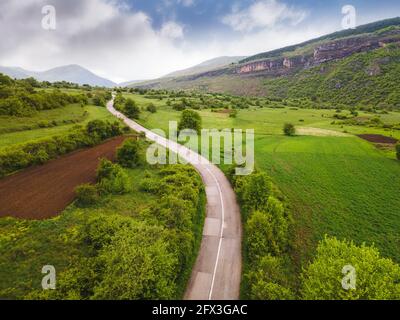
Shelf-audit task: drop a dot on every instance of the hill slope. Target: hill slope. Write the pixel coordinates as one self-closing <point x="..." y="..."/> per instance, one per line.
<point x="70" y="73"/>
<point x="348" y="67"/>
<point x="206" y="66"/>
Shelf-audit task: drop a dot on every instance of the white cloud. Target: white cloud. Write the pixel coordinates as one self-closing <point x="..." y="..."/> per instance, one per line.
<point x="101" y="35"/>
<point x="121" y="44"/>
<point x="263" y="14"/>
<point x="172" y="30"/>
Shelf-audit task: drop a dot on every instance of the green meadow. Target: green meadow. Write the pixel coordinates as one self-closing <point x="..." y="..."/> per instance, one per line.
<point x="336" y="185"/>
<point x="16" y="130"/>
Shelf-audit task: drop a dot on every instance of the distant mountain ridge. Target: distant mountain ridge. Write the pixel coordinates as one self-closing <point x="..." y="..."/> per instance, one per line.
<point x="248" y="76"/>
<point x="70" y="73"/>
<point x="205" y="66"/>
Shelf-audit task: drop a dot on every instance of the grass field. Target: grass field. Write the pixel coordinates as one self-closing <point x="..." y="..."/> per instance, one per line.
<point x="14" y="126"/>
<point x="342" y="186"/>
<point x="265" y="121"/>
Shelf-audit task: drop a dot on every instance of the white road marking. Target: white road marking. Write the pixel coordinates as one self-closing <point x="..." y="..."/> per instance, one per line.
<point x="221" y="232"/>
<point x="152" y="136"/>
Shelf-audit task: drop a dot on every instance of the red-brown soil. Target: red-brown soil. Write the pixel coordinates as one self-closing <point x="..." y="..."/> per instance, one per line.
<point x="377" y="138"/>
<point x="44" y="191"/>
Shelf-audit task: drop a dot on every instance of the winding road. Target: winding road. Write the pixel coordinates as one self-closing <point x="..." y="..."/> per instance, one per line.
<point x="217" y="272"/>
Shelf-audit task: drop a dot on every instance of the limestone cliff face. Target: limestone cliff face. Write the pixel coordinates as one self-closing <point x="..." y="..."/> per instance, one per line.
<point x="330" y="51"/>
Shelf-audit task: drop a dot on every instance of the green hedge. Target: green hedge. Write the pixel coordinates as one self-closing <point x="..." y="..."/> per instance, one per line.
<point x="40" y="151"/>
<point x="266" y="238"/>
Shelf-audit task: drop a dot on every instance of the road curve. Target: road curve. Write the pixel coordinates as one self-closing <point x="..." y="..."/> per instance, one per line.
<point x="217" y="271"/>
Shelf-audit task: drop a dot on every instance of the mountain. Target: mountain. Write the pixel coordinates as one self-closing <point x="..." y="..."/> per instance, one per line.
<point x="205" y="66"/>
<point x="16" y="73"/>
<point x="129" y="83"/>
<point x="70" y="73"/>
<point x="353" y="67"/>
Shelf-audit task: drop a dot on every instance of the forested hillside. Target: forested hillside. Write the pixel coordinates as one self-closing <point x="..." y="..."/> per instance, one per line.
<point x="364" y="79"/>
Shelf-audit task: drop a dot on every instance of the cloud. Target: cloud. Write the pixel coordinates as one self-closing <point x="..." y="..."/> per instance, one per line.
<point x="105" y="36"/>
<point x="172" y="30"/>
<point x="263" y="14"/>
<point x="121" y="43"/>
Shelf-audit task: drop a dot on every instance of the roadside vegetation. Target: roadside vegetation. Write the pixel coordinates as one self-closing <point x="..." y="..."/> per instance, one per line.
<point x="134" y="234"/>
<point x="38" y="152"/>
<point x="269" y="272"/>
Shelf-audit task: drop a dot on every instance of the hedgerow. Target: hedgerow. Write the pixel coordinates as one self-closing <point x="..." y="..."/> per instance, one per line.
<point x="266" y="238"/>
<point x="40" y="151"/>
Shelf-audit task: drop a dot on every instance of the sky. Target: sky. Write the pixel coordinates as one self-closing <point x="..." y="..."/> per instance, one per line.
<point x="125" y="40"/>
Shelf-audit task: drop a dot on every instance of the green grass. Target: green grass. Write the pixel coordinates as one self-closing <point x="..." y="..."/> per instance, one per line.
<point x="337" y="186"/>
<point x="340" y="186"/>
<point x="265" y="121"/>
<point x="71" y="112"/>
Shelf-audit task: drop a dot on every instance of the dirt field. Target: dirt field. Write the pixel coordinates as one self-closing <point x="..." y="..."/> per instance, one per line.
<point x="44" y="191"/>
<point x="377" y="138"/>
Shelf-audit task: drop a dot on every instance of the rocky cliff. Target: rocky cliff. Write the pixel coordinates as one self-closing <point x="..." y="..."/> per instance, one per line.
<point x="323" y="53"/>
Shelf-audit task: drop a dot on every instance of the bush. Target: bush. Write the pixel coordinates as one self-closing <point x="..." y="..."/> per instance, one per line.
<point x="376" y="278"/>
<point x="112" y="178"/>
<point x="128" y="154"/>
<point x="254" y="190"/>
<point x="190" y="120"/>
<point x="137" y="265"/>
<point x="267" y="231"/>
<point x="151" y="108"/>
<point x="398" y="151"/>
<point x="267" y="282"/>
<point x="39" y="152"/>
<point x="99" y="101"/>
<point x="131" y="109"/>
<point x="150" y="185"/>
<point x="86" y="195"/>
<point x="289" y="129"/>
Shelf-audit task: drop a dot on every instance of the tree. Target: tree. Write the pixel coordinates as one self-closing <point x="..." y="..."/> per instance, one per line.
<point x="190" y="120"/>
<point x="268" y="281"/>
<point x="376" y="278"/>
<point x="289" y="129"/>
<point x="128" y="154"/>
<point x="99" y="101"/>
<point x="137" y="265"/>
<point x="131" y="109"/>
<point x="151" y="108"/>
<point x="112" y="178"/>
<point x="267" y="230"/>
<point x="254" y="190"/>
<point x="97" y="128"/>
<point x="398" y="150"/>
<point x="86" y="195"/>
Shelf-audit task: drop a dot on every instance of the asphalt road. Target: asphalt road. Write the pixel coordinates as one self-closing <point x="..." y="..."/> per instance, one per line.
<point x="217" y="271"/>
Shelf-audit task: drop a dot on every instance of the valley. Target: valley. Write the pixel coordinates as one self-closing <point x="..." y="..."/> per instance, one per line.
<point x="78" y="192"/>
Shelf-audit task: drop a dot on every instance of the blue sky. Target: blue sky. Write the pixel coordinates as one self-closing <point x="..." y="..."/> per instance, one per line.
<point x="201" y="16"/>
<point x="143" y="39"/>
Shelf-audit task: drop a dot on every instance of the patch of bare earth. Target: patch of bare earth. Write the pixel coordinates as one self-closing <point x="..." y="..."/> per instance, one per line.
<point x="378" y="138"/>
<point x="44" y="191"/>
